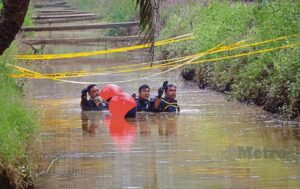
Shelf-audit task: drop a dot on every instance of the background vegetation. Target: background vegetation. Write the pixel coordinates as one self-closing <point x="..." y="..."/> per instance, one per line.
<point x="17" y="124"/>
<point x="271" y="79"/>
<point x="16" y="121"/>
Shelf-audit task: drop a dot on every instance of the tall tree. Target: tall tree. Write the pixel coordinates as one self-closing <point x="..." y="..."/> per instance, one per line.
<point x="11" y="19"/>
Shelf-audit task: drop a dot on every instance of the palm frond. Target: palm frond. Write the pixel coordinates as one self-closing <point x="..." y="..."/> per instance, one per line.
<point x="149" y="21"/>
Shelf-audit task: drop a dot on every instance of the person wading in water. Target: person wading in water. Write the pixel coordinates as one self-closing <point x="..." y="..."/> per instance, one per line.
<point x="169" y="102"/>
<point x="143" y="102"/>
<point x="95" y="103"/>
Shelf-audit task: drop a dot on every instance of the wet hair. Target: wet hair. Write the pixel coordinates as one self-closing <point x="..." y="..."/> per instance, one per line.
<point x="89" y="87"/>
<point x="169" y="86"/>
<point x="143" y="87"/>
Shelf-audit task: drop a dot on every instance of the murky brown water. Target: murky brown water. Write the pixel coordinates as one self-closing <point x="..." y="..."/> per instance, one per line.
<point x="202" y="147"/>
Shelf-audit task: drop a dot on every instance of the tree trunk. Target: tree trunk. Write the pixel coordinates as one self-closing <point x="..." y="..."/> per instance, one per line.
<point x="11" y="19"/>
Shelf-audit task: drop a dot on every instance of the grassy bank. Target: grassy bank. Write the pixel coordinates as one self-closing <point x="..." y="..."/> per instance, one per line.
<point x="17" y="127"/>
<point x="271" y="79"/>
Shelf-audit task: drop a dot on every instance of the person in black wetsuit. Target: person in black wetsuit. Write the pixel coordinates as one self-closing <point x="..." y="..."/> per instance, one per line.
<point x="169" y="102"/>
<point x="143" y="102"/>
<point x="95" y="102"/>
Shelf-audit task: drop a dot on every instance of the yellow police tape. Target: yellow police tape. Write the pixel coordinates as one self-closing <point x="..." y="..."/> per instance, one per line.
<point x="36" y="75"/>
<point x="249" y="53"/>
<point x="84" y="73"/>
<point x="29" y="74"/>
<point x="153" y="75"/>
<point x="101" y="52"/>
<point x="188" y="62"/>
<point x="223" y="48"/>
<point x="170" y="62"/>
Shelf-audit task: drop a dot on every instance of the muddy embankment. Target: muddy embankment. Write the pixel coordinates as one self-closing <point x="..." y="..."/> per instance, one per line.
<point x="11" y="178"/>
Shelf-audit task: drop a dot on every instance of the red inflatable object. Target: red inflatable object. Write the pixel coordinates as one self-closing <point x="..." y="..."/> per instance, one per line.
<point x="109" y="91"/>
<point x="120" y="104"/>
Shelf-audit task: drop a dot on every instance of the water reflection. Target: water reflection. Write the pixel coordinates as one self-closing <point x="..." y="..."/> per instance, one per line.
<point x="167" y="124"/>
<point x="90" y="122"/>
<point x="194" y="149"/>
<point x="123" y="131"/>
<point x="197" y="148"/>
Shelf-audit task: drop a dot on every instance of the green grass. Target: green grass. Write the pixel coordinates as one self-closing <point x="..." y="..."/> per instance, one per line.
<point x="270" y="79"/>
<point x="28" y="21"/>
<point x="109" y="11"/>
<point x="17" y="123"/>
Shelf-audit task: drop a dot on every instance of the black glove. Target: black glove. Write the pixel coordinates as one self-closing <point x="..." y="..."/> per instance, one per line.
<point x="160" y="92"/>
<point x="84" y="92"/>
<point x="133" y="95"/>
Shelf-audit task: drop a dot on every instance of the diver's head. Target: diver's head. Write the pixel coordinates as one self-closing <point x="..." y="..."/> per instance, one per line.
<point x="170" y="91"/>
<point x="144" y="92"/>
<point x="93" y="90"/>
